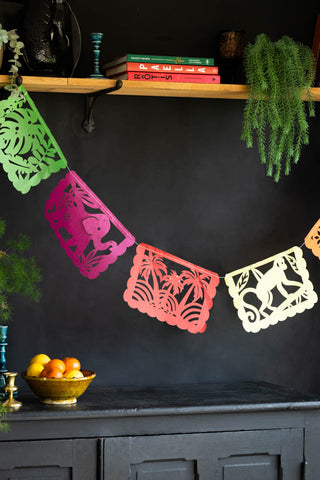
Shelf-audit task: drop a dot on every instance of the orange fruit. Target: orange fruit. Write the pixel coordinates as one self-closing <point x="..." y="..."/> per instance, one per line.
<point x="71" y="363"/>
<point x="56" y="363"/>
<point x="40" y="358"/>
<point x="51" y="372"/>
<point x="34" y="369"/>
<point x="73" y="374"/>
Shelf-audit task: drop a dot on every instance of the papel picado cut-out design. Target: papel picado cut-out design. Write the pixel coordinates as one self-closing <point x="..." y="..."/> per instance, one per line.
<point x="312" y="240"/>
<point x="170" y="289"/>
<point x="88" y="231"/>
<point x="28" y="151"/>
<point x="272" y="290"/>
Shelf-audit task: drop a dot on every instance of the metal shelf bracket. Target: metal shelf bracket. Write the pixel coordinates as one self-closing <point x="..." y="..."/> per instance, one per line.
<point x="88" y="123"/>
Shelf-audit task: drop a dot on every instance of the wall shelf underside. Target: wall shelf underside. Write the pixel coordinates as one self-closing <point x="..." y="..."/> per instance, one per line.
<point x="139" y="88"/>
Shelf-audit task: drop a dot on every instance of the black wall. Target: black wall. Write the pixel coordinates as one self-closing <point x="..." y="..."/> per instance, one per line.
<point x="178" y="176"/>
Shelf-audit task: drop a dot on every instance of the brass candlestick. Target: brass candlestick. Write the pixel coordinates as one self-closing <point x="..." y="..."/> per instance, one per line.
<point x="10" y="388"/>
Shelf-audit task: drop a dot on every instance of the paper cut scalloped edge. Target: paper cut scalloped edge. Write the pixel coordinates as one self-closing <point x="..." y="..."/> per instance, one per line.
<point x="134" y="272"/>
<point x="46" y="172"/>
<point x="124" y="245"/>
<point x="299" y="308"/>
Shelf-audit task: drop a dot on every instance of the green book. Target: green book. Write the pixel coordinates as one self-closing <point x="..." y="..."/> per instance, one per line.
<point x="131" y="57"/>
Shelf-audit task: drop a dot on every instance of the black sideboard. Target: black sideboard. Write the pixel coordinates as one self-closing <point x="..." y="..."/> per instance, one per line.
<point x="245" y="431"/>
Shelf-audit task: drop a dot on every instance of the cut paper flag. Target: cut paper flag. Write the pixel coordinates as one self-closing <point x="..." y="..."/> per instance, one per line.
<point x="312" y="240"/>
<point x="28" y="151"/>
<point x="272" y="290"/>
<point x="90" y="234"/>
<point x="170" y="289"/>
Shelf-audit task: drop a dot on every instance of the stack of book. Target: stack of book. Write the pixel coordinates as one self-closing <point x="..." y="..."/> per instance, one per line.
<point x="162" y="69"/>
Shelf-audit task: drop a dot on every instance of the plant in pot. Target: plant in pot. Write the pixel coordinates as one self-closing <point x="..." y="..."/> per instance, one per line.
<point x="279" y="75"/>
<point x="19" y="274"/>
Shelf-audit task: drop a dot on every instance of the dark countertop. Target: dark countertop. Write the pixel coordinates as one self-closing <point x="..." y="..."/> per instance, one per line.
<point x="168" y="400"/>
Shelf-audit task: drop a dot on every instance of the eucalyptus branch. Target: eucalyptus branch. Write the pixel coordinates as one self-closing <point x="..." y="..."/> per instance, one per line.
<point x="16" y="46"/>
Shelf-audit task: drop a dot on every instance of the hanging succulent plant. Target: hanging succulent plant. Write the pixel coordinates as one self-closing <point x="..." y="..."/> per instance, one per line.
<point x="278" y="74"/>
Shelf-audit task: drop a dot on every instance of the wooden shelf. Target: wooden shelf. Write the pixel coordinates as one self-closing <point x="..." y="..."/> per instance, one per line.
<point x="131" y="87"/>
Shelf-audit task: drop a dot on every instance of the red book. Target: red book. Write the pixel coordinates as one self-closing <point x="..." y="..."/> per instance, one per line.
<point x="161" y="67"/>
<point x="169" y="77"/>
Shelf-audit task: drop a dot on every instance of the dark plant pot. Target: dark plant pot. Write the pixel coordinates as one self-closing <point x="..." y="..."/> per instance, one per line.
<point x="52" y="38"/>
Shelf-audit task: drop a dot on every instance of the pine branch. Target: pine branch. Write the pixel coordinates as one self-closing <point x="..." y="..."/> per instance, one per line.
<point x="3" y="426"/>
<point x="19" y="274"/>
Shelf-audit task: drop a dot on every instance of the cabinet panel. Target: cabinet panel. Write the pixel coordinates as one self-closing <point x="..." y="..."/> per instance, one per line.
<point x="211" y="456"/>
<point x="37" y="473"/>
<point x="249" y="467"/>
<point x="50" y="459"/>
<point x="164" y="470"/>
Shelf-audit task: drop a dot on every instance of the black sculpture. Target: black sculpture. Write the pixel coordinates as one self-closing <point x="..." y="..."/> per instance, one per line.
<point x="52" y="38"/>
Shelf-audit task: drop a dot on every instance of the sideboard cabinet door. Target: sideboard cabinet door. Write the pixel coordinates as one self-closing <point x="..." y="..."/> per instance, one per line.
<point x="245" y="455"/>
<point x="49" y="459"/>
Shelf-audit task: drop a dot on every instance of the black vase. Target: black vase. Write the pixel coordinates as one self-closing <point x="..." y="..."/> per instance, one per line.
<point x="52" y="38"/>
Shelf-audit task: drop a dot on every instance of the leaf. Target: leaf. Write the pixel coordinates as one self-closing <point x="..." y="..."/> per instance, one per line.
<point x="85" y="197"/>
<point x="293" y="263"/>
<point x="243" y="280"/>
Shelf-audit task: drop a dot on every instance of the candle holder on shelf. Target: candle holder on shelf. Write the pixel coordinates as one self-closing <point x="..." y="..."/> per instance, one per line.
<point x="3" y="369"/>
<point x="96" y="39"/>
<point x="11" y="388"/>
<point x="231" y="50"/>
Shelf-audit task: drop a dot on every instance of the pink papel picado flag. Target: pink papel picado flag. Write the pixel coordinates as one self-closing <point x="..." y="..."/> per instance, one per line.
<point x="82" y="223"/>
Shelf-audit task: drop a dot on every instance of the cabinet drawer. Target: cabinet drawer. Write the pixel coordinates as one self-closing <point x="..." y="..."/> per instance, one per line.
<point x="251" y="455"/>
<point x="49" y="459"/>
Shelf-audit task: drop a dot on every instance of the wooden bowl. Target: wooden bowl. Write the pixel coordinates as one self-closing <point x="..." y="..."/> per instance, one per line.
<point x="59" y="391"/>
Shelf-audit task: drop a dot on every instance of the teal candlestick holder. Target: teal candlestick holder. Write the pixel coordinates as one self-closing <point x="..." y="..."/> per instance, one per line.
<point x="3" y="369"/>
<point x="96" y="39"/>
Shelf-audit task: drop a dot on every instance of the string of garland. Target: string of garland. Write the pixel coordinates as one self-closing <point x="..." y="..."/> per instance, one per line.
<point x="278" y="74"/>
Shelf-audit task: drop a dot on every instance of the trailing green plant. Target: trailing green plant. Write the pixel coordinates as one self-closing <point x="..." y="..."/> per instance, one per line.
<point x="19" y="274"/>
<point x="16" y="47"/>
<point x="3" y="36"/>
<point x="279" y="75"/>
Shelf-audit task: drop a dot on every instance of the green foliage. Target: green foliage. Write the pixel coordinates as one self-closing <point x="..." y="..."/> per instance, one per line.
<point x="18" y="274"/>
<point x="3" y="36"/>
<point x="16" y="46"/>
<point x="278" y="74"/>
<point x="3" y="425"/>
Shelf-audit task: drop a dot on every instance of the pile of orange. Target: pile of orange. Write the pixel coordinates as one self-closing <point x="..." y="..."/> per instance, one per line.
<point x="42" y="366"/>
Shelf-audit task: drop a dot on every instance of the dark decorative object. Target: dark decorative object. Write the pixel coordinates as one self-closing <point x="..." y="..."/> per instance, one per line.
<point x="52" y="38"/>
<point x="231" y="52"/>
<point x="96" y="39"/>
